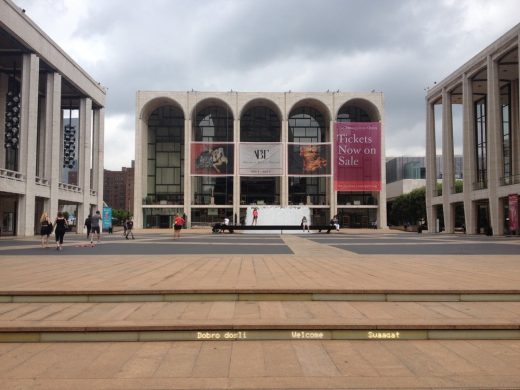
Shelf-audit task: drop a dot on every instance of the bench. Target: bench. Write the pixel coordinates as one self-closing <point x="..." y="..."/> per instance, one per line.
<point x="220" y="227"/>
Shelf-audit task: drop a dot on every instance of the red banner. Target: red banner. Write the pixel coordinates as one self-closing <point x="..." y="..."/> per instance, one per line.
<point x="513" y="213"/>
<point x="357" y="147"/>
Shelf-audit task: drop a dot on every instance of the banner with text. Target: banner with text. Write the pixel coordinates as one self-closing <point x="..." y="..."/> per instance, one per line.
<point x="260" y="159"/>
<point x="309" y="159"/>
<point x="357" y="147"/>
<point x="211" y="159"/>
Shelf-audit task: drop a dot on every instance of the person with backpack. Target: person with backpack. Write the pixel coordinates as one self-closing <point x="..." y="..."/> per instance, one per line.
<point x="129" y="226"/>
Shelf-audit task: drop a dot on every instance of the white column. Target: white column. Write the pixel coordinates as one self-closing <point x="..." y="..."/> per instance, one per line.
<point x="431" y="176"/>
<point x="448" y="178"/>
<point x="236" y="176"/>
<point x="140" y="153"/>
<point x="98" y="157"/>
<point x="52" y="139"/>
<point x="333" y="201"/>
<point x="284" y="179"/>
<point x="27" y="151"/>
<point x="187" y="170"/>
<point x="494" y="153"/>
<point x="469" y="153"/>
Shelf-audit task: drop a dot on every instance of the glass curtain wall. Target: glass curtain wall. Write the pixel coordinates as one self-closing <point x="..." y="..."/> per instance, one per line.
<point x="307" y="125"/>
<point x="166" y="156"/>
<point x="260" y="124"/>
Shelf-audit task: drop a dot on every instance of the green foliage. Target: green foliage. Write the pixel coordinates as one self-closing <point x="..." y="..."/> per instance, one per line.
<point x="121" y="214"/>
<point x="408" y="208"/>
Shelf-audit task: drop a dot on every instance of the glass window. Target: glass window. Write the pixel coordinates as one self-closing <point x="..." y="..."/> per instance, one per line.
<point x="214" y="124"/>
<point x="307" y="125"/>
<point x="260" y="124"/>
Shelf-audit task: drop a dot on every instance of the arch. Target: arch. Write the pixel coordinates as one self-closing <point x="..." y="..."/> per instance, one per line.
<point x="260" y="121"/>
<point x="150" y="106"/>
<point x="212" y="121"/>
<point x="309" y="122"/>
<point x="358" y="110"/>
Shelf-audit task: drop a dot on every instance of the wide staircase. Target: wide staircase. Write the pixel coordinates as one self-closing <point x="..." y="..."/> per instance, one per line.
<point x="286" y="315"/>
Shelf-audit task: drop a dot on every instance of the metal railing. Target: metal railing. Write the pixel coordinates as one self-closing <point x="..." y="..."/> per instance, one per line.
<point x="164" y="199"/>
<point x="480" y="185"/>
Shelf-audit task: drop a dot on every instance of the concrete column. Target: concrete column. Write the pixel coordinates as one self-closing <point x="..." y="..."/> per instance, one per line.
<point x="284" y="179"/>
<point x="236" y="175"/>
<point x="187" y="170"/>
<point x="431" y="177"/>
<point x="98" y="157"/>
<point x="469" y="153"/>
<point x="140" y="171"/>
<point x="333" y="199"/>
<point x="515" y="128"/>
<point x="52" y="139"/>
<point x="85" y="125"/>
<point x="448" y="176"/>
<point x="494" y="150"/>
<point x="27" y="151"/>
<point x="4" y="84"/>
<point x="381" y="209"/>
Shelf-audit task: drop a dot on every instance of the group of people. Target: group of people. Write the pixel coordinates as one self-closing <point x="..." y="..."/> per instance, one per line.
<point x="61" y="225"/>
<point x="47" y="227"/>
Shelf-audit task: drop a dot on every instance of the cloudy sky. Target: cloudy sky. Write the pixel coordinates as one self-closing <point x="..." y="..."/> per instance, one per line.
<point x="399" y="47"/>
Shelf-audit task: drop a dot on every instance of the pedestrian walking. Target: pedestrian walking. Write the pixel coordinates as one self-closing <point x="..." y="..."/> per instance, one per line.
<point x="124" y="227"/>
<point x="255" y="216"/>
<point x="45" y="229"/>
<point x="95" y="222"/>
<point x="129" y="226"/>
<point x="88" y="225"/>
<point x="60" y="227"/>
<point x="177" y="226"/>
<point x="305" y="224"/>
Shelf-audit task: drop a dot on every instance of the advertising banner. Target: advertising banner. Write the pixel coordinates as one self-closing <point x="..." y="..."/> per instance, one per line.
<point x="260" y="159"/>
<point x="357" y="147"/>
<point x="211" y="159"/>
<point x="513" y="213"/>
<point x="309" y="159"/>
<point x="107" y="218"/>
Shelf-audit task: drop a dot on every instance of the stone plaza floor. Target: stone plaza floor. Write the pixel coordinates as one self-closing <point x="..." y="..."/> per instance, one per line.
<point x="346" y="310"/>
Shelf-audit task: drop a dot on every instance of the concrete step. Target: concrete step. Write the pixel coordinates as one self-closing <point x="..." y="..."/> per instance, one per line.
<point x="257" y="320"/>
<point x="210" y="295"/>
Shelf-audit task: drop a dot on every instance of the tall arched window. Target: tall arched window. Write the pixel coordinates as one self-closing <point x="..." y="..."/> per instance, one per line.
<point x="307" y="125"/>
<point x="260" y="124"/>
<point x="214" y="124"/>
<point x="166" y="155"/>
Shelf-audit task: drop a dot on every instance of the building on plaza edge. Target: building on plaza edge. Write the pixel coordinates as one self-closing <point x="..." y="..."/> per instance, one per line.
<point x="51" y="129"/>
<point x="481" y="98"/>
<point x="212" y="155"/>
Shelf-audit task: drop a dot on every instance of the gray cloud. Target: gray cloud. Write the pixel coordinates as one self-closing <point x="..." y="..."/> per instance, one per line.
<point x="398" y="47"/>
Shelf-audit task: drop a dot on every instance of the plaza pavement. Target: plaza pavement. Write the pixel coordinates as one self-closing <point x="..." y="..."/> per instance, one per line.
<point x="349" y="310"/>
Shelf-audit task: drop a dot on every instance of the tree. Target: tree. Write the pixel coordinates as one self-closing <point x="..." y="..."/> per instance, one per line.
<point x="121" y="214"/>
<point x="409" y="208"/>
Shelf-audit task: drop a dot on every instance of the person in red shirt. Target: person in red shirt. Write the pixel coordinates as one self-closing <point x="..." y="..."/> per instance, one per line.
<point x="178" y="224"/>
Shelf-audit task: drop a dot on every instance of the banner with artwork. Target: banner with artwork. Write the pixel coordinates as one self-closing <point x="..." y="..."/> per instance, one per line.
<point x="212" y="159"/>
<point x="309" y="159"/>
<point x="260" y="159"/>
<point x="357" y="147"/>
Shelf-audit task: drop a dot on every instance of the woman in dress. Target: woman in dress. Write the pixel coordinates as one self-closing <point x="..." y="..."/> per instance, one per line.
<point x="45" y="229"/>
<point x="59" y="231"/>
